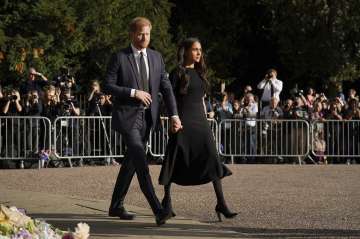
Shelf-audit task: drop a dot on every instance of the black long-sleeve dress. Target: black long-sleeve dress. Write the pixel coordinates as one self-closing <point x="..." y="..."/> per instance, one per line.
<point x="191" y="157"/>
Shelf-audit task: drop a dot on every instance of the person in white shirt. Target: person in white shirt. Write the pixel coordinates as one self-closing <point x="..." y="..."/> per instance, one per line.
<point x="248" y="112"/>
<point x="271" y="87"/>
<point x="272" y="111"/>
<point x="271" y="130"/>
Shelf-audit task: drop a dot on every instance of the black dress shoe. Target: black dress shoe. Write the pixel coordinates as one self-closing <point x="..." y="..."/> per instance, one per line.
<point x="162" y="217"/>
<point x="122" y="213"/>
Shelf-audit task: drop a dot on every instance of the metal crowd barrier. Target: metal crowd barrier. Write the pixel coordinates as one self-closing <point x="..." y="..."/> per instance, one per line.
<point x="91" y="137"/>
<point x="215" y="129"/>
<point x="86" y="137"/>
<point x="264" y="138"/>
<point x="334" y="138"/>
<point x="158" y="139"/>
<point x="24" y="137"/>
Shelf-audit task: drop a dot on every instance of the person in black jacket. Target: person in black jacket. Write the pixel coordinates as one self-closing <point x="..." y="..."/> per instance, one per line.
<point x="135" y="76"/>
<point x="32" y="108"/>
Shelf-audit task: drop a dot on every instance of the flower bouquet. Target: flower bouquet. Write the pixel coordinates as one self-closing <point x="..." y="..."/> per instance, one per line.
<point x="14" y="224"/>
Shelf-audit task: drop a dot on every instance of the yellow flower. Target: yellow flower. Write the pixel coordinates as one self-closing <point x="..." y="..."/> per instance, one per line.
<point x="13" y="216"/>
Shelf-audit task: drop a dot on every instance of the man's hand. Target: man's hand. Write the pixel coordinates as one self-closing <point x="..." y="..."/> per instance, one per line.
<point x="211" y="114"/>
<point x="143" y="96"/>
<point x="175" y="124"/>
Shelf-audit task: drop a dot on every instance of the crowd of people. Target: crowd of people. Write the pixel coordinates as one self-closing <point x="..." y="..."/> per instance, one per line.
<point x="308" y="105"/>
<point x="39" y="96"/>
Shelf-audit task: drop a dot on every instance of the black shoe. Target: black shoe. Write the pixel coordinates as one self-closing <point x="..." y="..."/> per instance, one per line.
<point x="122" y="213"/>
<point x="166" y="204"/>
<point x="224" y="211"/>
<point x="162" y="217"/>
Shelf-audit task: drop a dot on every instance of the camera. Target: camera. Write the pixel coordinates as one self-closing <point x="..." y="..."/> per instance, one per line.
<point x="12" y="97"/>
<point x="67" y="103"/>
<point x="275" y="114"/>
<point x="97" y="100"/>
<point x="66" y="82"/>
<point x="66" y="107"/>
<point x="296" y="92"/>
<point x="33" y="98"/>
<point x="97" y="97"/>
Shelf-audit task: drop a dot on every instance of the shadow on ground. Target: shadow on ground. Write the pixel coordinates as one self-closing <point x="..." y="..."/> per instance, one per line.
<point x="104" y="226"/>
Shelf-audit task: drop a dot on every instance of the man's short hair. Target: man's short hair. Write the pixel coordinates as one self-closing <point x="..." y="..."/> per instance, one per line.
<point x="274" y="99"/>
<point x="271" y="70"/>
<point x="250" y="95"/>
<point x="138" y="22"/>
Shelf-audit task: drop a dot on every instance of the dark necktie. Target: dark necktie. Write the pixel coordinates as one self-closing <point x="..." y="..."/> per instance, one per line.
<point x="272" y="90"/>
<point x="143" y="75"/>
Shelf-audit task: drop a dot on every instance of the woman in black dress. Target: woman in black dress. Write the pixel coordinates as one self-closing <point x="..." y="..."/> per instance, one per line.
<point x="191" y="156"/>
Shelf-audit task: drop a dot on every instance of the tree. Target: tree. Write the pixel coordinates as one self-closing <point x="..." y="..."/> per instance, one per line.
<point x="105" y="25"/>
<point x="308" y="42"/>
<point x="81" y="34"/>
<point x="234" y="34"/>
<point x="40" y="33"/>
<point x="317" y="40"/>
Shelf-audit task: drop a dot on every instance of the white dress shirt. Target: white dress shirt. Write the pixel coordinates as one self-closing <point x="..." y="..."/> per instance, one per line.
<point x="136" y="53"/>
<point x="269" y="113"/>
<point x="277" y="87"/>
<point x="249" y="113"/>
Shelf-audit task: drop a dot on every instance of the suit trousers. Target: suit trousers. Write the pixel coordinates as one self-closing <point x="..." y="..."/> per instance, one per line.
<point x="135" y="161"/>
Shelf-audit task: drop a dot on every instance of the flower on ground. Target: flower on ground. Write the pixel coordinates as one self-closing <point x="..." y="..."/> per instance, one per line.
<point x="14" y="224"/>
<point x="82" y="231"/>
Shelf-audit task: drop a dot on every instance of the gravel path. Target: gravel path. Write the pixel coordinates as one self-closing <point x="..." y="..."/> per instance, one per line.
<point x="318" y="200"/>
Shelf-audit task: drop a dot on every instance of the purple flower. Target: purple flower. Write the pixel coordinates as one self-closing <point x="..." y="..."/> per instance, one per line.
<point x="22" y="234"/>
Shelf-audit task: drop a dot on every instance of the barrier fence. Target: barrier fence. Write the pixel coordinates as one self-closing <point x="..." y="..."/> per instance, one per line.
<point x="264" y="138"/>
<point x="86" y="137"/>
<point x="92" y="137"/>
<point x="335" y="138"/>
<point x="24" y="137"/>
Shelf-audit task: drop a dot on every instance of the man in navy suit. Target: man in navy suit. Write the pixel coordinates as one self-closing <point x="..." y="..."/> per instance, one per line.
<point x="135" y="75"/>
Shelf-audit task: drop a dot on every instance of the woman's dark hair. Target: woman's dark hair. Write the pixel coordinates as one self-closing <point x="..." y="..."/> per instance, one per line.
<point x="200" y="67"/>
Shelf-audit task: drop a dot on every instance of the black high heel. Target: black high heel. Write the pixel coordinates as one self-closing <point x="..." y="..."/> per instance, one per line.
<point x="224" y="211"/>
<point x="166" y="204"/>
